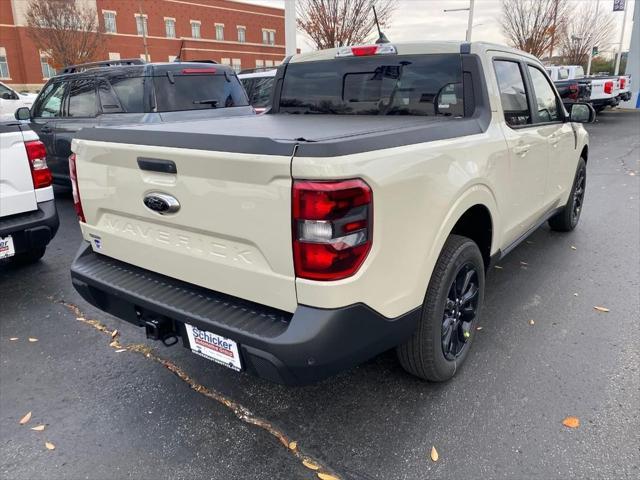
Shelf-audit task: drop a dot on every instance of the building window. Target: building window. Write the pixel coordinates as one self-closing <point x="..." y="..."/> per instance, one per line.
<point x="259" y="63"/>
<point x="236" y="65"/>
<point x="219" y="31"/>
<point x="141" y="25"/>
<point x="47" y="70"/>
<point x="146" y="58"/>
<point x="114" y="56"/>
<point x="242" y="34"/>
<point x="170" y="27"/>
<point x="109" y="21"/>
<point x="268" y="37"/>
<point x="4" y="66"/>
<point x="172" y="58"/>
<point x="195" y="29"/>
<point x="268" y="63"/>
<point x="225" y="61"/>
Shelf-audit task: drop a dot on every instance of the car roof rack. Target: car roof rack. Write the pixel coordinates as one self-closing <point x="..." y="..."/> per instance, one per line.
<point x="105" y="63"/>
<point x="177" y="60"/>
<point x="257" y="70"/>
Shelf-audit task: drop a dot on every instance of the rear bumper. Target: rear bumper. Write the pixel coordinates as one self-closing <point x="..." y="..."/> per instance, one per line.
<point x="604" y="102"/>
<point x="293" y="349"/>
<point x="33" y="229"/>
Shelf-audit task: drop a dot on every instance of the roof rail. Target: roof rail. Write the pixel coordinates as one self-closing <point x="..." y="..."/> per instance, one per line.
<point x="105" y="63"/>
<point x="257" y="69"/>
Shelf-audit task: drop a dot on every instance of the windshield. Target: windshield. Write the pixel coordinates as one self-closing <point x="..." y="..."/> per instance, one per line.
<point x="194" y="92"/>
<point x="423" y="85"/>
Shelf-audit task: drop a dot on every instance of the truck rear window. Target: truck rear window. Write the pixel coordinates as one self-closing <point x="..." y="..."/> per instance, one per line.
<point x="194" y="92"/>
<point x="424" y="85"/>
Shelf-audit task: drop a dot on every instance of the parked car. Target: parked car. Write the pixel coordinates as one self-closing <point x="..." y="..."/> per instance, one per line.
<point x="360" y="213"/>
<point x="259" y="85"/>
<point x="128" y="91"/>
<point x="10" y="100"/>
<point x="28" y="216"/>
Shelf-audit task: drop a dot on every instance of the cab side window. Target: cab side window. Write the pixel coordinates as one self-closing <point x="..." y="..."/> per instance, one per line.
<point x="7" y="94"/>
<point x="82" y="99"/>
<point x="50" y="101"/>
<point x="513" y="94"/>
<point x="546" y="100"/>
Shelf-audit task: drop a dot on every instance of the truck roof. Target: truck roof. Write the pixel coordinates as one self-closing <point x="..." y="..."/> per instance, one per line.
<point x="417" y="48"/>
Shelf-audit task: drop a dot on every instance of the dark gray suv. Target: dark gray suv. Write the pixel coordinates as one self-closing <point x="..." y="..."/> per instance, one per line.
<point x="126" y="92"/>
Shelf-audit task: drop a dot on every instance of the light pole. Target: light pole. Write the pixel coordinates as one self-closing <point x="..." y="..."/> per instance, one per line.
<point x="290" y="27"/>
<point x="624" y="21"/>
<point x="591" y="44"/>
<point x="470" y="21"/>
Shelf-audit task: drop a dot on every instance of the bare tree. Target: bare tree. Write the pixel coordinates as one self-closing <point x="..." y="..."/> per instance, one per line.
<point x="331" y="23"/>
<point x="531" y="25"/>
<point x="68" y="33"/>
<point x="586" y="28"/>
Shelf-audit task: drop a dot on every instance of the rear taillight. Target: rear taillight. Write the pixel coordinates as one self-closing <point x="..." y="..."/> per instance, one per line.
<point x="623" y="82"/>
<point x="365" y="50"/>
<point x="332" y="228"/>
<point x="574" y="88"/>
<point x="608" y="87"/>
<point x="73" y="175"/>
<point x="37" y="155"/>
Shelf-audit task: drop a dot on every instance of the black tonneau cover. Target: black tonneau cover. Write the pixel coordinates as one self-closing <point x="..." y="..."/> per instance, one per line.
<point x="318" y="135"/>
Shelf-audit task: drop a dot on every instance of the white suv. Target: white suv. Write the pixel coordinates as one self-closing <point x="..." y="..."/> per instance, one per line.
<point x="28" y="216"/>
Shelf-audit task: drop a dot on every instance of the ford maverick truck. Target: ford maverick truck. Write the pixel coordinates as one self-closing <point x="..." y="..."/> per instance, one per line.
<point x="359" y="214"/>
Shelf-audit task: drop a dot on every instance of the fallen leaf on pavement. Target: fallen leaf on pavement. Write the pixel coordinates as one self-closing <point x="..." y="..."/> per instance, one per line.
<point x="120" y="350"/>
<point x="25" y="419"/>
<point x="633" y="174"/>
<point x="114" y="333"/>
<point x="326" y="476"/>
<point x="13" y="339"/>
<point x="532" y="322"/>
<point x="434" y="454"/>
<point x="571" y="422"/>
<point x="524" y="264"/>
<point x="575" y="294"/>
<point x="573" y="247"/>
<point x="32" y="339"/>
<point x="601" y="309"/>
<point x="293" y="445"/>
<point x="114" y="343"/>
<point x="498" y="267"/>
<point x="310" y="464"/>
<point x="478" y="328"/>
<point x="39" y="428"/>
<point x="49" y="445"/>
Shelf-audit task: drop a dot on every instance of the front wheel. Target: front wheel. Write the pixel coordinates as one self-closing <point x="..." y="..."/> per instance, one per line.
<point x="567" y="218"/>
<point x="450" y="313"/>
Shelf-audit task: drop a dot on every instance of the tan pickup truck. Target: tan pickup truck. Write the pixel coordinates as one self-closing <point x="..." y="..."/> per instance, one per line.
<point x="360" y="213"/>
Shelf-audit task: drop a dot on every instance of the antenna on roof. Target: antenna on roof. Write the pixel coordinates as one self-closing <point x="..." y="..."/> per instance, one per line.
<point x="381" y="36"/>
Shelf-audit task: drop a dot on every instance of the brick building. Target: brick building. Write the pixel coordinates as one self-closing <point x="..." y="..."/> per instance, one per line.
<point x="240" y="34"/>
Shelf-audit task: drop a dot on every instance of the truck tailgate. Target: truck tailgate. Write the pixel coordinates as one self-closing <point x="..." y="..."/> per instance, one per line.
<point x="231" y="234"/>
<point x="16" y="185"/>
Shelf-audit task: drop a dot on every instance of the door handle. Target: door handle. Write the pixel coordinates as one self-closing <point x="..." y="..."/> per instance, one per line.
<point x="521" y="149"/>
<point x="46" y="129"/>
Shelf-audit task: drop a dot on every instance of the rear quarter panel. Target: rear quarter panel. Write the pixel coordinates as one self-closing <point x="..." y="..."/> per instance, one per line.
<point x="419" y="193"/>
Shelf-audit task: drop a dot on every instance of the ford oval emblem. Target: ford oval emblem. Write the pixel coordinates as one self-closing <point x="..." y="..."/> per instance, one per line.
<point x="161" y="203"/>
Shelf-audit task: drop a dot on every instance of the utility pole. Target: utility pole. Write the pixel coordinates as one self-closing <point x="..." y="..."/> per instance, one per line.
<point x="290" y="27"/>
<point x="470" y="21"/>
<point x="624" y="22"/>
<point x="144" y="32"/>
<point x="553" y="32"/>
<point x="592" y="43"/>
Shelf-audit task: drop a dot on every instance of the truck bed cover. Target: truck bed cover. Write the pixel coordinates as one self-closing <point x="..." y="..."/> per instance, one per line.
<point x="316" y="135"/>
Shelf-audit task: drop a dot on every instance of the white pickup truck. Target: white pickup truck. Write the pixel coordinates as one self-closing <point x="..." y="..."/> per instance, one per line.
<point x="606" y="90"/>
<point x="28" y="216"/>
<point x="359" y="214"/>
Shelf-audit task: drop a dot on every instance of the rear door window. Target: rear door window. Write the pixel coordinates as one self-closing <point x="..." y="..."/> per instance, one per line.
<point x="128" y="92"/>
<point x="260" y="95"/>
<point x="198" y="91"/>
<point x="424" y="85"/>
<point x="513" y="94"/>
<point x="82" y="98"/>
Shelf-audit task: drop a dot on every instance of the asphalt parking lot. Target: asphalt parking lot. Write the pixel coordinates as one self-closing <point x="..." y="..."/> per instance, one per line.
<point x="165" y="413"/>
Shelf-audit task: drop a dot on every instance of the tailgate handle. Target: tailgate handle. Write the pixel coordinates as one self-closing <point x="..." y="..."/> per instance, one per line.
<point x="157" y="165"/>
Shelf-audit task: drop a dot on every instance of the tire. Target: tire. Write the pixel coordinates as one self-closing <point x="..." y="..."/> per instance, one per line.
<point x="567" y="218"/>
<point x="423" y="355"/>
<point x="30" y="256"/>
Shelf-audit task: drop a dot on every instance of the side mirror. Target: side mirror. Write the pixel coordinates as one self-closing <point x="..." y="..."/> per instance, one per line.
<point x="582" y="113"/>
<point x="7" y="96"/>
<point x="23" y="113"/>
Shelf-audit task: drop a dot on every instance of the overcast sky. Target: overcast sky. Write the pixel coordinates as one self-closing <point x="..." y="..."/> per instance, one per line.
<point x="425" y="20"/>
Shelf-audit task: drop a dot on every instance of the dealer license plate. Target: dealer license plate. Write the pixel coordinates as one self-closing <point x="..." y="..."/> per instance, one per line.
<point x="214" y="347"/>
<point x="6" y="247"/>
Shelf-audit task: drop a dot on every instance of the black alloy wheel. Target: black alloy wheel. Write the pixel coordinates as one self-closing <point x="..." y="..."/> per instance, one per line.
<point x="460" y="312"/>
